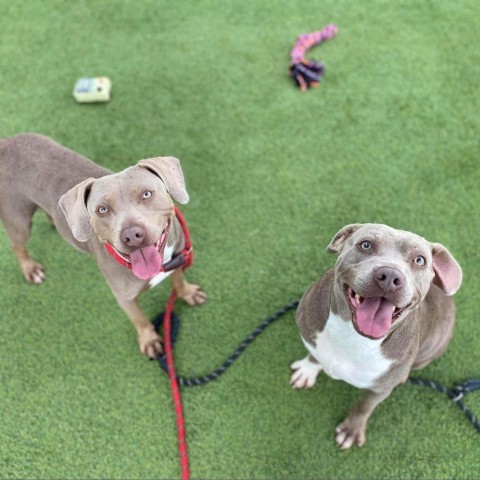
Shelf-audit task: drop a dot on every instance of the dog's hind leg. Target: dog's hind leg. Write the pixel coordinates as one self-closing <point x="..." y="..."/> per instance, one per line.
<point x="16" y="214"/>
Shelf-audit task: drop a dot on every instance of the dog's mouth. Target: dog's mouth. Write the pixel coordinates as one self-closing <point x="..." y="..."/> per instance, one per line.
<point x="372" y="316"/>
<point x="146" y="262"/>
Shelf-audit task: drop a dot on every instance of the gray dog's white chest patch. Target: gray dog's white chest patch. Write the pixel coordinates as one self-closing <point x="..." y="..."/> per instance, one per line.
<point x="346" y="355"/>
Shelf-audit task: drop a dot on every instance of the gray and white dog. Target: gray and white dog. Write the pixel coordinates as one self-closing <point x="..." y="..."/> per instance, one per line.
<point x="384" y="310"/>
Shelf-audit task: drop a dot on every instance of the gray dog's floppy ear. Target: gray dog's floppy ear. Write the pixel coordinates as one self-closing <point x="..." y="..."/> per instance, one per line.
<point x="448" y="274"/>
<point x="74" y="207"/>
<point x="170" y="172"/>
<point x="336" y="245"/>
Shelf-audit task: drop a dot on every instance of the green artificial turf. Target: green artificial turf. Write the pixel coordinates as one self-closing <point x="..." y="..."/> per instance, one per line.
<point x="391" y="136"/>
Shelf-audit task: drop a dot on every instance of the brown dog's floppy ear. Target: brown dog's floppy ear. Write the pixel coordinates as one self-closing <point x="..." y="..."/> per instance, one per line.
<point x="170" y="172"/>
<point x="74" y="207"/>
<point x="448" y="273"/>
<point x="336" y="245"/>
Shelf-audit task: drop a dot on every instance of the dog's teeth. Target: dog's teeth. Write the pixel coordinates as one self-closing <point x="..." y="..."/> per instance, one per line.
<point x="357" y="297"/>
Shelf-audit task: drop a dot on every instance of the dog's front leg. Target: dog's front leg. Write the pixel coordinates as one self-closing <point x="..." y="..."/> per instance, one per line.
<point x="149" y="341"/>
<point x="352" y="431"/>
<point x="189" y="292"/>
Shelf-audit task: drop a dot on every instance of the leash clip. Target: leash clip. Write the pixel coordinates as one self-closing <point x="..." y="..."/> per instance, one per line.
<point x="459" y="392"/>
<point x="176" y="262"/>
<point x="464" y="388"/>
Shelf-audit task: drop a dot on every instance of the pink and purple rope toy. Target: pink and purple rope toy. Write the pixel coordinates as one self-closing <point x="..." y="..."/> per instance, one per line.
<point x="307" y="73"/>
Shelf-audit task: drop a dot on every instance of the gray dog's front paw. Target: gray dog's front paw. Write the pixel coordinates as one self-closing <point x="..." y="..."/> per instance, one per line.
<point x="350" y="432"/>
<point x="305" y="373"/>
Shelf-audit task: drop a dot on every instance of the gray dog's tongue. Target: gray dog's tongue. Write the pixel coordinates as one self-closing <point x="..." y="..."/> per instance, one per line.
<point x="146" y="262"/>
<point x="374" y="316"/>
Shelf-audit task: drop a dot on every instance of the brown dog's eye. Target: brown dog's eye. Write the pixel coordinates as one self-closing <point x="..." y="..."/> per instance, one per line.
<point x="366" y="245"/>
<point x="420" y="261"/>
<point x="102" y="210"/>
<point x="147" y="194"/>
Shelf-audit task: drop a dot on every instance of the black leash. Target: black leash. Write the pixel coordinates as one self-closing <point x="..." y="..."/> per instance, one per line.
<point x="456" y="394"/>
<point x="193" y="382"/>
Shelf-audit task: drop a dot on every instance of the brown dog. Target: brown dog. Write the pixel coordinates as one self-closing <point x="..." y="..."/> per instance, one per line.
<point x="385" y="309"/>
<point x="131" y="211"/>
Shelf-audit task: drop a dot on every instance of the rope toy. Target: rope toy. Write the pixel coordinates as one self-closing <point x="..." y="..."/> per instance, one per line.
<point x="307" y="73"/>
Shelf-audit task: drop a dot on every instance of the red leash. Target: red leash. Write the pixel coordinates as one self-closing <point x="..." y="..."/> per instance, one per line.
<point x="167" y="324"/>
<point x="177" y="402"/>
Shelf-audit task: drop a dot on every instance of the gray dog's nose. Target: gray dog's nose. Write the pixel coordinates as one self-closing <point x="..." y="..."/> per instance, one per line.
<point x="389" y="279"/>
<point x="133" y="236"/>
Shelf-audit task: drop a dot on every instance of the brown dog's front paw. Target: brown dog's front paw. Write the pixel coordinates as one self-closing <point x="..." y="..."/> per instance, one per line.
<point x="33" y="272"/>
<point x="192" y="294"/>
<point x="350" y="432"/>
<point x="150" y="343"/>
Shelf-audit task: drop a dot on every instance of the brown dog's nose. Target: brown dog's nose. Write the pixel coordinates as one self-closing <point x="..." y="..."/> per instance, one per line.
<point x="389" y="279"/>
<point x="133" y="236"/>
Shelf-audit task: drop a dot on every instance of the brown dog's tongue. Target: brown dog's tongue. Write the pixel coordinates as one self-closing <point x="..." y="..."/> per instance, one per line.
<point x="374" y="316"/>
<point x="146" y="262"/>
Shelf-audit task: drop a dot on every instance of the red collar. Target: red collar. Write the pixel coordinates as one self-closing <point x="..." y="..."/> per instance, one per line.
<point x="183" y="259"/>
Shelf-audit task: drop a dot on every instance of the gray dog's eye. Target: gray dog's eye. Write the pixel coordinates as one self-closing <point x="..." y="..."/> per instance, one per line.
<point x="102" y="210"/>
<point x="366" y="245"/>
<point x="147" y="194"/>
<point x="420" y="261"/>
